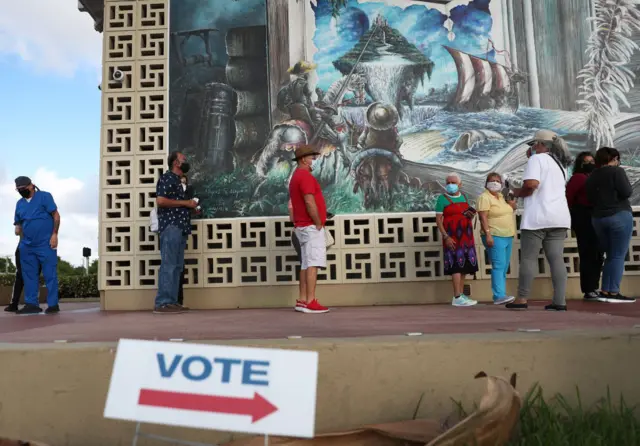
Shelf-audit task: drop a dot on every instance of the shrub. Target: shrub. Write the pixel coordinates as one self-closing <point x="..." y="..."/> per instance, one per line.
<point x="69" y="287"/>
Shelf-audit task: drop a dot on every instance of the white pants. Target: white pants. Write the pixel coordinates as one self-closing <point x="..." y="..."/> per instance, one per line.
<point x="313" y="247"/>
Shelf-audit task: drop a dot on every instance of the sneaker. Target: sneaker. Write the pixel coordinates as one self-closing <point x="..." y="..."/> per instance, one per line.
<point x="619" y="299"/>
<point x="11" y="308"/>
<point x="592" y="296"/>
<point x="52" y="310"/>
<point x="168" y="309"/>
<point x="300" y="306"/>
<point x="515" y="306"/>
<point x="315" y="307"/>
<point x="180" y="306"/>
<point x="463" y="301"/>
<point x="29" y="309"/>
<point x="503" y="300"/>
<point x="555" y="307"/>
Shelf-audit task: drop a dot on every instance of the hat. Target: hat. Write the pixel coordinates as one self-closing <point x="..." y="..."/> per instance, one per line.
<point x="305" y="150"/>
<point x="543" y="136"/>
<point x="22" y="182"/>
<point x="302" y="67"/>
<point x="380" y="116"/>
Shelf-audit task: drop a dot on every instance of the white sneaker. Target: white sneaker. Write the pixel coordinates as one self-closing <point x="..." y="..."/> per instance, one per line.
<point x="463" y="301"/>
<point x="504" y="300"/>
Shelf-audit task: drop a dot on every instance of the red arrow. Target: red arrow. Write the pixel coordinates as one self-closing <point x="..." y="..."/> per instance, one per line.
<point x="256" y="407"/>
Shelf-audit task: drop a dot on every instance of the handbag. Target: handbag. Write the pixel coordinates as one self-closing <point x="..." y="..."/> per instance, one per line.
<point x="328" y="239"/>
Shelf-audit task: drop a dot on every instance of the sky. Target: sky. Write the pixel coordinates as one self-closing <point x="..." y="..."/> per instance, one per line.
<point x="50" y="116"/>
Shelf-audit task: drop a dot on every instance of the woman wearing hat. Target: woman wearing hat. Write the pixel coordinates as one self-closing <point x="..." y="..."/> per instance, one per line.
<point x="545" y="218"/>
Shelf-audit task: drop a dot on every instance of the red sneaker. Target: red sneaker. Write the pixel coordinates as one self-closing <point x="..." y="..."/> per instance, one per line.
<point x="315" y="307"/>
<point x="300" y="305"/>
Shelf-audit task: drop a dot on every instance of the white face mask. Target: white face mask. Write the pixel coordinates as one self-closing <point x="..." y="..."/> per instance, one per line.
<point x="494" y="186"/>
<point x="314" y="163"/>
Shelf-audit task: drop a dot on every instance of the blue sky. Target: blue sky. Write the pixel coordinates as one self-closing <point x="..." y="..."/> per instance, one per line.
<point x="50" y="116"/>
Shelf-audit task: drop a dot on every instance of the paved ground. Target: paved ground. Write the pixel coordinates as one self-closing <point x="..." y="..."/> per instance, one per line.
<point x="83" y="322"/>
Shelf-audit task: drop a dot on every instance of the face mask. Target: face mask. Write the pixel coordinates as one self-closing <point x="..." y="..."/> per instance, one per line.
<point x="494" y="186"/>
<point x="184" y="167"/>
<point x="314" y="163"/>
<point x="24" y="193"/>
<point x="588" y="168"/>
<point x="451" y="189"/>
<point x="184" y="186"/>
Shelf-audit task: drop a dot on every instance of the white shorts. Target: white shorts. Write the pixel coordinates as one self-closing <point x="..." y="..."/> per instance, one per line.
<point x="313" y="248"/>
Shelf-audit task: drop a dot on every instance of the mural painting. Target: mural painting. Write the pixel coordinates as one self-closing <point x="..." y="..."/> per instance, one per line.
<point x="398" y="94"/>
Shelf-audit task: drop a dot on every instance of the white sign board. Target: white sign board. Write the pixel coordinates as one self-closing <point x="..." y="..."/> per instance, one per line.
<point x="236" y="389"/>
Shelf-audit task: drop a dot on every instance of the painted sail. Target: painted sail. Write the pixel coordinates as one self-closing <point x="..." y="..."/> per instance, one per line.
<point x="477" y="78"/>
<point x="502" y="81"/>
<point x="466" y="76"/>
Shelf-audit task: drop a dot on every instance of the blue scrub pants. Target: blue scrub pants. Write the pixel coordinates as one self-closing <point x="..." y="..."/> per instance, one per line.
<point x="500" y="256"/>
<point x="32" y="259"/>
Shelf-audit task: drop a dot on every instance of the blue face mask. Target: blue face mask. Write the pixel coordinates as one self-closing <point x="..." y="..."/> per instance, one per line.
<point x="451" y="189"/>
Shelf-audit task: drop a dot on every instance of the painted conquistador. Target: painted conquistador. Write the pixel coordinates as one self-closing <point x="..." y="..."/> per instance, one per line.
<point x="300" y="104"/>
<point x="380" y="131"/>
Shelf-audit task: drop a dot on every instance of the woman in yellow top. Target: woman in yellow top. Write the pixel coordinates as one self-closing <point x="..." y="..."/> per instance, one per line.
<point x="498" y="229"/>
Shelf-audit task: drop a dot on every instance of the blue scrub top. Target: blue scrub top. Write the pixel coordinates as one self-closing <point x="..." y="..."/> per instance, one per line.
<point x="35" y="218"/>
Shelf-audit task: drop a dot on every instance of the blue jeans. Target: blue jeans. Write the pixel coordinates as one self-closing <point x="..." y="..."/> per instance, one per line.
<point x="172" y="245"/>
<point x="32" y="260"/>
<point x="500" y="256"/>
<point x="614" y="234"/>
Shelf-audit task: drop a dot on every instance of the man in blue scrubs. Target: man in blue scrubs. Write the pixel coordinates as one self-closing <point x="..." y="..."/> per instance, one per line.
<point x="37" y="222"/>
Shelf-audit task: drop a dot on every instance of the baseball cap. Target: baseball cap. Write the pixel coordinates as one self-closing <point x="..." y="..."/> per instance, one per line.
<point x="543" y="136"/>
<point x="22" y="182"/>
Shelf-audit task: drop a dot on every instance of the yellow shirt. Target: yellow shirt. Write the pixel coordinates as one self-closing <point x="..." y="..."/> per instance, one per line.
<point x="501" y="216"/>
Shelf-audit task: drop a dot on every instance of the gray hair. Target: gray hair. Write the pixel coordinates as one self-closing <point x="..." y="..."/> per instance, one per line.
<point x="454" y="175"/>
<point x="559" y="149"/>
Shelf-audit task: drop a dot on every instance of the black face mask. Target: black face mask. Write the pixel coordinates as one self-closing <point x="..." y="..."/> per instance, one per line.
<point x="24" y="193"/>
<point x="588" y="168"/>
<point x="184" y="167"/>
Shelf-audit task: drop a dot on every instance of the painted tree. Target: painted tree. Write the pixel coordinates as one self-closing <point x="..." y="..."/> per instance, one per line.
<point x="605" y="78"/>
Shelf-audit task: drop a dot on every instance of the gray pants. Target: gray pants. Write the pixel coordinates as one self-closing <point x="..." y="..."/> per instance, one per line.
<point x="552" y="241"/>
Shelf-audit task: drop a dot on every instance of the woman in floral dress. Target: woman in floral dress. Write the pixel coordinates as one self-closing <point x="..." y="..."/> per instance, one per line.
<point x="454" y="217"/>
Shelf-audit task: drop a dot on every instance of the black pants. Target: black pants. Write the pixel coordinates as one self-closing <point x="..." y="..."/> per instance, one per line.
<point x="18" y="284"/>
<point x="591" y="257"/>
<point x="181" y="288"/>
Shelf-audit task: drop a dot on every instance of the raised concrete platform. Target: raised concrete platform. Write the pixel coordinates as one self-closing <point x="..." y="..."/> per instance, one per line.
<point x="369" y="370"/>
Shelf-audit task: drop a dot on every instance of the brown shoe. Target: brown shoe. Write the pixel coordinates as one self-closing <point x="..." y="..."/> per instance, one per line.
<point x="168" y="309"/>
<point x="182" y="307"/>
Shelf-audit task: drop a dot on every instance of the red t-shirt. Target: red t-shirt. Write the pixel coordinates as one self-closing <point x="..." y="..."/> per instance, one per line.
<point x="304" y="183"/>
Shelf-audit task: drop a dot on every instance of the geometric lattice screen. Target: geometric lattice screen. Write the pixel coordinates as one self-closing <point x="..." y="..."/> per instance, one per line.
<point x="235" y="252"/>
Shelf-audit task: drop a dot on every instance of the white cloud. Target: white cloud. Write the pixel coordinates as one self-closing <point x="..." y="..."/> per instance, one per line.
<point x="52" y="35"/>
<point x="78" y="205"/>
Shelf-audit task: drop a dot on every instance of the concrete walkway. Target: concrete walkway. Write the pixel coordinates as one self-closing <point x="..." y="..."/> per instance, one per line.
<point x="84" y="322"/>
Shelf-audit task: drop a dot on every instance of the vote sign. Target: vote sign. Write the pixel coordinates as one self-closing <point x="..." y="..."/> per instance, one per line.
<point x="237" y="389"/>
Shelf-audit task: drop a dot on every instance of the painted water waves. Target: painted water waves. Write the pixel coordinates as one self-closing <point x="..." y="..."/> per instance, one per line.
<point x="395" y="97"/>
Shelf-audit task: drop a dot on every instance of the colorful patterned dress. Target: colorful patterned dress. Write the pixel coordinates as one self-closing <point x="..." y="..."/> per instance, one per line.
<point x="463" y="259"/>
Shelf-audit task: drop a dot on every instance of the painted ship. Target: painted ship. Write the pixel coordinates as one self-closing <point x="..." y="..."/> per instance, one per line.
<point x="482" y="85"/>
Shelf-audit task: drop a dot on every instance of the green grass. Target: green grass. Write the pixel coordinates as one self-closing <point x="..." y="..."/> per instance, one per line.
<point x="558" y="422"/>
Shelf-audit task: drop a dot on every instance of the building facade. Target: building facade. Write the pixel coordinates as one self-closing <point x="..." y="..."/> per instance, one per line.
<point x="465" y="84"/>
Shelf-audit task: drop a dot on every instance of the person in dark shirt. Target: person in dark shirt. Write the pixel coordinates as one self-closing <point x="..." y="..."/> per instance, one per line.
<point x="608" y="189"/>
<point x="189" y="195"/>
<point x="174" y="225"/>
<point x="591" y="256"/>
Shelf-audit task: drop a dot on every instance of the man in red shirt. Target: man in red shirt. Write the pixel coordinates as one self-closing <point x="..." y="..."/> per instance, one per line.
<point x="309" y="218"/>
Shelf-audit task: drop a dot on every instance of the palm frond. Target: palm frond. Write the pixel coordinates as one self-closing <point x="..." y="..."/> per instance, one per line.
<point x="605" y="78"/>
